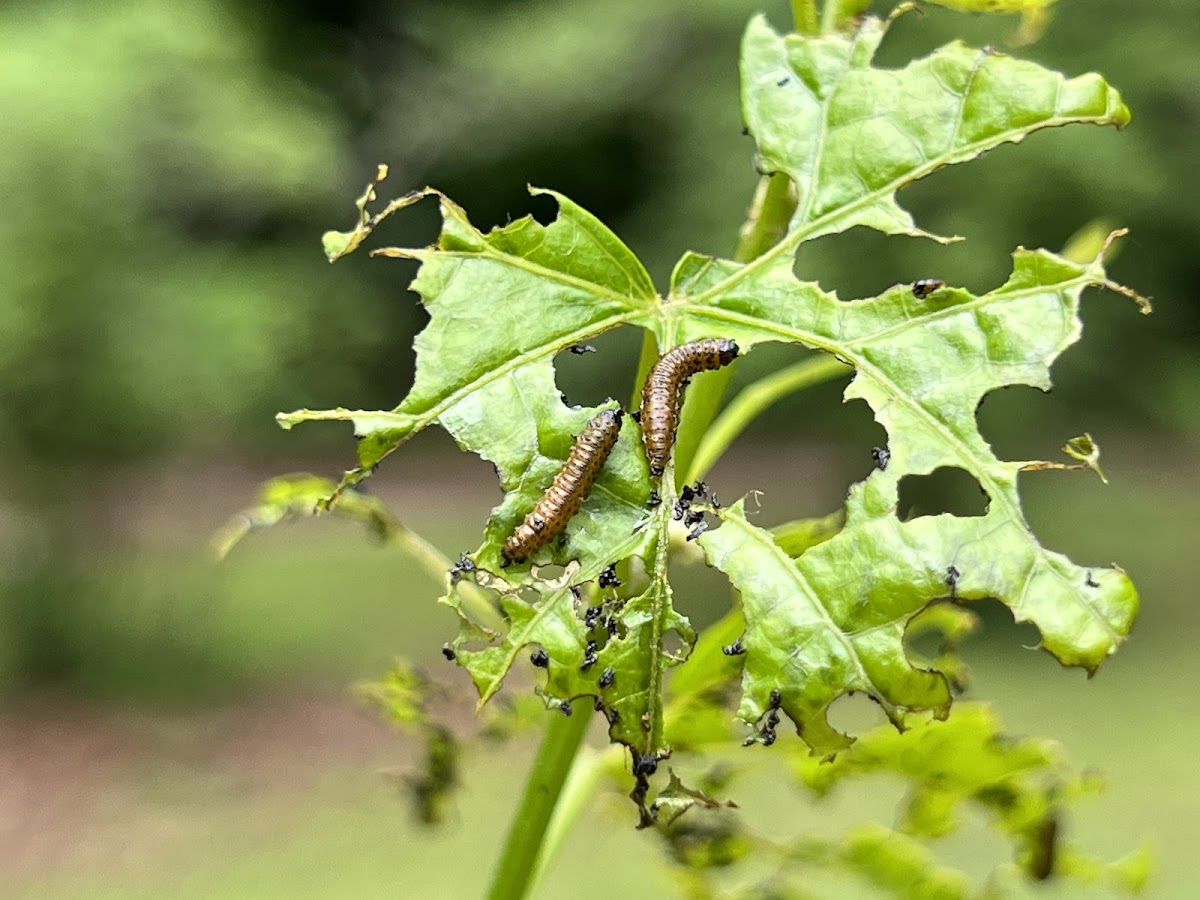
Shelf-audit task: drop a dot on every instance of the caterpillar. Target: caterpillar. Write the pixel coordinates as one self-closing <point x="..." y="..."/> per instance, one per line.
<point x="567" y="492"/>
<point x="662" y="394"/>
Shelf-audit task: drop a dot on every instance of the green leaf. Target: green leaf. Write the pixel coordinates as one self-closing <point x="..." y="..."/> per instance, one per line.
<point x="701" y="690"/>
<point x="833" y="619"/>
<point x="850" y="135"/>
<point x="798" y="535"/>
<point x="677" y="798"/>
<point x="402" y="697"/>
<point x="900" y="865"/>
<point x="1023" y="785"/>
<point x="499" y="303"/>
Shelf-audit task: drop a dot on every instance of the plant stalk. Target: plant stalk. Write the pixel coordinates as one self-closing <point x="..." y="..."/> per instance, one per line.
<point x="523" y="857"/>
<point x="586" y="774"/>
<point x="804" y="16"/>
<point x="520" y="857"/>
<point x="751" y="402"/>
<point x="765" y="226"/>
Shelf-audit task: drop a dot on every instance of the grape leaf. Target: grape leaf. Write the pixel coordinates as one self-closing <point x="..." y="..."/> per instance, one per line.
<point x="504" y="303"/>
<point x="498" y="303"/>
<point x="833" y="620"/>
<point x="850" y="135"/>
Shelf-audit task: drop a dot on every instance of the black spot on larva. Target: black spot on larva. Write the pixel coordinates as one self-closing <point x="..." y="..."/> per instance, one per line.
<point x="655" y="499"/>
<point x="1091" y="582"/>
<point x="540" y="658"/>
<point x="693" y="516"/>
<point x="645" y="765"/>
<point x="606" y="678"/>
<point x="464" y="566"/>
<point x="881" y="455"/>
<point x="448" y="652"/>
<point x="592" y="616"/>
<point x="580" y="349"/>
<point x="697" y="531"/>
<point x="776" y="699"/>
<point x="566" y="708"/>
<point x="589" y="656"/>
<point x="598" y="705"/>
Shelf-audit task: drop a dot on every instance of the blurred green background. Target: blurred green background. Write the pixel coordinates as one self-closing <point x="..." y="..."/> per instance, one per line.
<point x="174" y="726"/>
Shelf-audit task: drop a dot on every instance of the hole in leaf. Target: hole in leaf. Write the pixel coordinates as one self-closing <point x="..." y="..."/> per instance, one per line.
<point x="948" y="489"/>
<point x="1001" y="640"/>
<point x="673" y="645"/>
<point x="1022" y="422"/>
<point x="795" y="452"/>
<point x="855" y="713"/>
<point x="550" y="573"/>
<point x="589" y="379"/>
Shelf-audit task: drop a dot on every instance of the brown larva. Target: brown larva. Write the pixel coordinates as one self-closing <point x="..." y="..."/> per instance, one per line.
<point x="662" y="395"/>
<point x="568" y="490"/>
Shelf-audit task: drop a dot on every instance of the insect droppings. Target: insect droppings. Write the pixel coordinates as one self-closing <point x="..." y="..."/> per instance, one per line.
<point x="923" y="287"/>
<point x="737" y="648"/>
<point x="608" y="578"/>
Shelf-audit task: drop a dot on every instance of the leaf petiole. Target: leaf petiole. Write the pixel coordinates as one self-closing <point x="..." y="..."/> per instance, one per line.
<point x="751" y="402"/>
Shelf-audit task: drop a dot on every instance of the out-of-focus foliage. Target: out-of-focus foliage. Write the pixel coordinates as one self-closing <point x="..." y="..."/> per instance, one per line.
<point x="402" y="695"/>
<point x="951" y="769"/>
<point x="157" y="175"/>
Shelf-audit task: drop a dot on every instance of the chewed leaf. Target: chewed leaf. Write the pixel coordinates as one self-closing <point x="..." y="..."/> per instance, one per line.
<point x="518" y="423"/>
<point x="826" y="605"/>
<point x="850" y="135"/>
<point x="499" y="302"/>
<point x="833" y="620"/>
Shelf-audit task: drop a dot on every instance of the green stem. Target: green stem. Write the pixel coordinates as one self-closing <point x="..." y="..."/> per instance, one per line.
<point x="765" y="226"/>
<point x="589" y="768"/>
<point x="830" y="15"/>
<point x="474" y="599"/>
<point x="804" y="15"/>
<point x="520" y="858"/>
<point x="747" y="405"/>
<point x="767" y="219"/>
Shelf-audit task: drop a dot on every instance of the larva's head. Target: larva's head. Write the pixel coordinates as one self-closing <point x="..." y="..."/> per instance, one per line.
<point x="610" y="416"/>
<point x="728" y="350"/>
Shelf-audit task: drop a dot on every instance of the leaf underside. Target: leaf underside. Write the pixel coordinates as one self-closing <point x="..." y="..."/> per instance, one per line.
<point x="503" y="304"/>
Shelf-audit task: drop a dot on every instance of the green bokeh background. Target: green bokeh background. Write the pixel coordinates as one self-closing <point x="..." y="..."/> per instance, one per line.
<point x="167" y="168"/>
